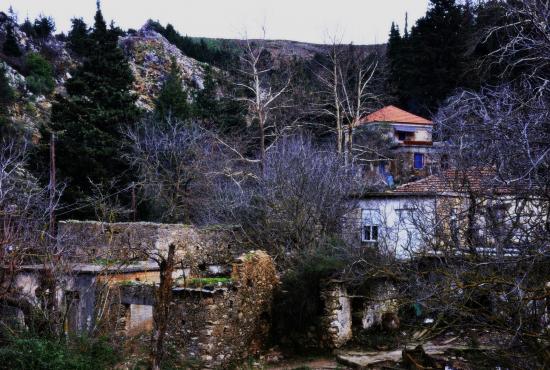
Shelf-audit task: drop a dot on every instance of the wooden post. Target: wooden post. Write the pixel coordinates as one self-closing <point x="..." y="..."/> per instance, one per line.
<point x="52" y="186"/>
<point x="134" y="207"/>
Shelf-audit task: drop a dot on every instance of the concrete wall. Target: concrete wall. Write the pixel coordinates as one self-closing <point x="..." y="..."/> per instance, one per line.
<point x="398" y="225"/>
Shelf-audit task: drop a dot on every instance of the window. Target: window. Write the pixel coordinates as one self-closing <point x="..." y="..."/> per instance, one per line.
<point x="418" y="161"/>
<point x="404" y="135"/>
<point x="370" y="226"/>
<point x="370" y="233"/>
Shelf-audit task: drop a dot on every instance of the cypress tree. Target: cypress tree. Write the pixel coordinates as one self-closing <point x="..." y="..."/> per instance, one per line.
<point x="394" y="53"/>
<point x="89" y="120"/>
<point x="432" y="60"/>
<point x="172" y="99"/>
<point x="7" y="98"/>
<point x="11" y="47"/>
<point x="78" y="39"/>
<point x="43" y="27"/>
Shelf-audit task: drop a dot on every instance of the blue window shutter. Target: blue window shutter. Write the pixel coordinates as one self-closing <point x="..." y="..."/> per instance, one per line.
<point x="418" y="160"/>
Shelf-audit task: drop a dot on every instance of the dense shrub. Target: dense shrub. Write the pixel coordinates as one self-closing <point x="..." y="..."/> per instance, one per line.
<point x="297" y="305"/>
<point x="40" y="74"/>
<point x="41" y="353"/>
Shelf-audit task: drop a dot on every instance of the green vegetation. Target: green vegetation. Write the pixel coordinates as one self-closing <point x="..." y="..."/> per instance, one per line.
<point x="128" y="283"/>
<point x="297" y="306"/>
<point x="43" y="27"/>
<point x="428" y="63"/>
<point x="11" y="47"/>
<point x="172" y="100"/>
<point x="214" y="53"/>
<point x="7" y="96"/>
<point x="78" y="38"/>
<point x="49" y="354"/>
<point x="91" y="119"/>
<point x="40" y="74"/>
<point x="209" y="281"/>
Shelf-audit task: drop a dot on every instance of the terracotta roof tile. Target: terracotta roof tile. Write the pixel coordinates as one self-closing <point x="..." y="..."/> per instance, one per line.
<point x="394" y="114"/>
<point x="453" y="180"/>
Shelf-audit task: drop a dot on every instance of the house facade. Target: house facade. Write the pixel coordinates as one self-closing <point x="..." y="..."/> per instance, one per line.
<point x="465" y="212"/>
<point x="413" y="152"/>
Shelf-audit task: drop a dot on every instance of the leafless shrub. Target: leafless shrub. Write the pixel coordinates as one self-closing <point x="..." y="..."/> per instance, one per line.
<point x="299" y="201"/>
<point x="172" y="161"/>
<point x="524" y="40"/>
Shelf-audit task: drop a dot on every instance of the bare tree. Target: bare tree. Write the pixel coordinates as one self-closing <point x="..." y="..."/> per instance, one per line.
<point x="524" y="40"/>
<point x="172" y="159"/>
<point x="349" y="77"/>
<point x="298" y="202"/>
<point x="260" y="93"/>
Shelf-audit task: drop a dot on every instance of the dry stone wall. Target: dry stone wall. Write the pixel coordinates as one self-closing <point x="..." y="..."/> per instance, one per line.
<point x="89" y="241"/>
<point x="337" y="319"/>
<point x="218" y="327"/>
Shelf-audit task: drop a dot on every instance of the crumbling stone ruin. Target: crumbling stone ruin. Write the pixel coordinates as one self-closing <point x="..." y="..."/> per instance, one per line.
<point x="221" y="297"/>
<point x="218" y="325"/>
<point x="342" y="307"/>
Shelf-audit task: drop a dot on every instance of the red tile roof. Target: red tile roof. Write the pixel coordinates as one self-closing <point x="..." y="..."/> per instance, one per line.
<point x="396" y="115"/>
<point x="456" y="181"/>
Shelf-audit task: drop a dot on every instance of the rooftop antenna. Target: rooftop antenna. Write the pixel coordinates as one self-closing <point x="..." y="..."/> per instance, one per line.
<point x="406" y="32"/>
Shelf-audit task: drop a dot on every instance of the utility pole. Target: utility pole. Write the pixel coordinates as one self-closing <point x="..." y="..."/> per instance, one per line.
<point x="52" y="186"/>
<point x="134" y="206"/>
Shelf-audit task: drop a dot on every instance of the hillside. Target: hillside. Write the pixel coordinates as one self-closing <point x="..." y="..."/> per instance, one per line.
<point x="149" y="54"/>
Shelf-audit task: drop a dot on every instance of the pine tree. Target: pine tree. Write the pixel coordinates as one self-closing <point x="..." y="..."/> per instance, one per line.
<point x="172" y="99"/>
<point x="90" y="119"/>
<point x="206" y="104"/>
<point x="28" y="28"/>
<point x="7" y="98"/>
<point x="432" y="60"/>
<point x="11" y="48"/>
<point x="78" y="39"/>
<point x="43" y="27"/>
<point x="217" y="110"/>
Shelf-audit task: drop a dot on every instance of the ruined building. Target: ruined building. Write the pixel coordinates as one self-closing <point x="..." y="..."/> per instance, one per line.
<point x="221" y="297"/>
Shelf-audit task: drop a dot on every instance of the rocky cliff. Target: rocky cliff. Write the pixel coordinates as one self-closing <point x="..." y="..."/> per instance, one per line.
<point x="150" y="56"/>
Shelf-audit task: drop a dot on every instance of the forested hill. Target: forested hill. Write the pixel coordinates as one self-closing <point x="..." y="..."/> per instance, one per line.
<point x="39" y="67"/>
<point x="91" y="86"/>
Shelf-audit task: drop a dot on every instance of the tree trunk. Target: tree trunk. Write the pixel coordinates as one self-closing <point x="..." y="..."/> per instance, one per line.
<point x="161" y="311"/>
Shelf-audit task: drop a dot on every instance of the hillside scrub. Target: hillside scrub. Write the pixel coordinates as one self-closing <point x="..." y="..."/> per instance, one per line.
<point x="39" y="74"/>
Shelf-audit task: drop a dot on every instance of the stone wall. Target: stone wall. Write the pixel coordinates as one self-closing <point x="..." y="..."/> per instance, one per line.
<point x="337" y="325"/>
<point x="337" y="318"/>
<point x="90" y="241"/>
<point x="214" y="328"/>
<point x="382" y="299"/>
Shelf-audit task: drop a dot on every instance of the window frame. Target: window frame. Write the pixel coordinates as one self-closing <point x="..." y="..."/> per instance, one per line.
<point x="371" y="225"/>
<point x="422" y="161"/>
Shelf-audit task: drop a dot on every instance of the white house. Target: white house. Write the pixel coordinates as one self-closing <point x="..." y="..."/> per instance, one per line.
<point x="454" y="211"/>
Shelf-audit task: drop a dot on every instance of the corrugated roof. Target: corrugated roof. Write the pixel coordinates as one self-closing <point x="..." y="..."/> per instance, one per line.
<point x="396" y="115"/>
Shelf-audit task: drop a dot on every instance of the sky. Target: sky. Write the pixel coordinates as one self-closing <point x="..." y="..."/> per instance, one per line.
<point x="357" y="21"/>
